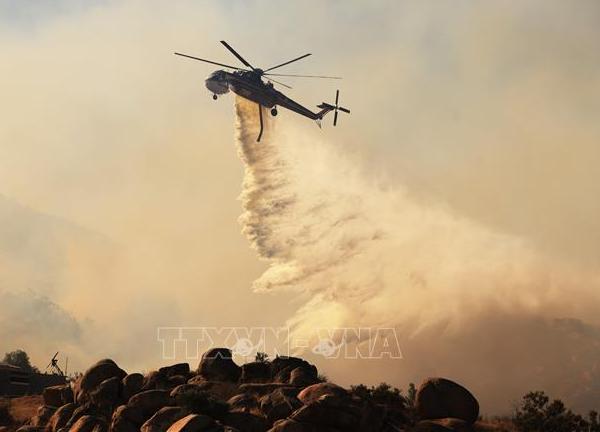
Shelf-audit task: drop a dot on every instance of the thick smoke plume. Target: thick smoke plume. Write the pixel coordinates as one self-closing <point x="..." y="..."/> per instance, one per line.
<point x="364" y="256"/>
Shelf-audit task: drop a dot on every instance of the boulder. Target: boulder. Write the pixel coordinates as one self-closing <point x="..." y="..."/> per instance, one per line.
<point x="261" y="389"/>
<point x="163" y="419"/>
<point x="196" y="379"/>
<point x="43" y="414"/>
<point x="255" y="372"/>
<point x="279" y="404"/>
<point x="222" y="390"/>
<point x="176" y="369"/>
<point x="102" y="370"/>
<point x="156" y="380"/>
<point x="217" y="365"/>
<point x="289" y="425"/>
<point x="281" y="368"/>
<point x="30" y="428"/>
<point x="53" y="396"/>
<point x="88" y="423"/>
<point x="246" y="422"/>
<point x="302" y="377"/>
<point x="181" y="390"/>
<point x="329" y="411"/>
<point x="144" y="404"/>
<point x="125" y="419"/>
<point x="107" y="394"/>
<point x="192" y="423"/>
<point x="132" y="384"/>
<point x="315" y="391"/>
<point x="442" y="398"/>
<point x="175" y="380"/>
<point x="60" y="417"/>
<point x="80" y="411"/>
<point x="244" y="402"/>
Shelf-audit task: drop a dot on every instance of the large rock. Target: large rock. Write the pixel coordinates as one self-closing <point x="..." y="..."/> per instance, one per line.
<point x="176" y="369"/>
<point x="246" y="422"/>
<point x="43" y="414"/>
<point x="102" y="370"/>
<point x="279" y="404"/>
<point x="217" y="365"/>
<point x="256" y="372"/>
<point x="441" y="398"/>
<point x="221" y="390"/>
<point x="289" y="425"/>
<point x="302" y="377"/>
<point x="60" y="417"/>
<point x="53" y="396"/>
<point x="163" y="419"/>
<point x="30" y="428"/>
<point x="144" y="404"/>
<point x="261" y="389"/>
<point x="132" y="384"/>
<point x="107" y="394"/>
<point x="282" y="367"/>
<point x="192" y="423"/>
<point x="86" y="409"/>
<point x="181" y="390"/>
<point x="329" y="411"/>
<point x="88" y="423"/>
<point x="156" y="380"/>
<point x="244" y="402"/>
<point x="316" y="391"/>
<point x="125" y="419"/>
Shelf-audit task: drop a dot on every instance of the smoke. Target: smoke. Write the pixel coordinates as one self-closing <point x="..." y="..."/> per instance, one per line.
<point x="364" y="256"/>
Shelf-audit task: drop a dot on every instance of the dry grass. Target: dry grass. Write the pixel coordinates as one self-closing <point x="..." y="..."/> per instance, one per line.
<point x="24" y="408"/>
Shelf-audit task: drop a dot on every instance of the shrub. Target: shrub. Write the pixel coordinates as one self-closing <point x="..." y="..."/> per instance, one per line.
<point x="383" y="394"/>
<point x="536" y="413"/>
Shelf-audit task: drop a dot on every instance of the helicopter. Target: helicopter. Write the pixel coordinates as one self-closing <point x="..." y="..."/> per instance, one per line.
<point x="248" y="83"/>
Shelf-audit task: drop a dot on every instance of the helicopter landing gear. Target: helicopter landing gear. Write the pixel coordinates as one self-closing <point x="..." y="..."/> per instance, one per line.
<point x="214" y="97"/>
<point x="274" y="111"/>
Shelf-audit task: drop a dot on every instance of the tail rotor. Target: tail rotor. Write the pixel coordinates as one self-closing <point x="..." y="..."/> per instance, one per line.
<point x="338" y="108"/>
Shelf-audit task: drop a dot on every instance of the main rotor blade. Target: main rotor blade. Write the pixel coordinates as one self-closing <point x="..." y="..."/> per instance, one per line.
<point x="239" y="57"/>
<point x="208" y="61"/>
<point x="280" y="83"/>
<point x="304" y="76"/>
<point x="337" y="97"/>
<point x="287" y="62"/>
<point x="335" y="118"/>
<point x="344" y="109"/>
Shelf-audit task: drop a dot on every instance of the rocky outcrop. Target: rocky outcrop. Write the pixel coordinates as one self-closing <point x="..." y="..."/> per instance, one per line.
<point x="217" y="365"/>
<point x="102" y="370"/>
<point x="442" y="398"/>
<point x="312" y="393"/>
<point x="61" y="416"/>
<point x="283" y="395"/>
<point x="163" y="419"/>
<point x="132" y="384"/>
<point x="192" y="423"/>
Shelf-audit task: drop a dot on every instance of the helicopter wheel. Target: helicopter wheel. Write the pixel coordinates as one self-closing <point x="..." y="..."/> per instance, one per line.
<point x="214" y="97"/>
<point x="274" y="112"/>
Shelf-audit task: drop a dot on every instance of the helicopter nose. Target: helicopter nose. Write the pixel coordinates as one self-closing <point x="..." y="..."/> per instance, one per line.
<point x="216" y="85"/>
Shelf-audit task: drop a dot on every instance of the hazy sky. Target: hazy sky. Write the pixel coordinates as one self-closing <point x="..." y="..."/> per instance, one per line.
<point x="119" y="177"/>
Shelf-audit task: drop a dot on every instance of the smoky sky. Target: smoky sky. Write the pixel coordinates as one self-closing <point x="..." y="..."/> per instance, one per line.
<point x="483" y="113"/>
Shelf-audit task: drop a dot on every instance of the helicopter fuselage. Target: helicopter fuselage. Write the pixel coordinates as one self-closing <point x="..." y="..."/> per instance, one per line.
<point x="249" y="85"/>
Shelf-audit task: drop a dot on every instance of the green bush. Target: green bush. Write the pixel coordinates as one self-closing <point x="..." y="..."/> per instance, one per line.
<point x="383" y="394"/>
<point x="536" y="413"/>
